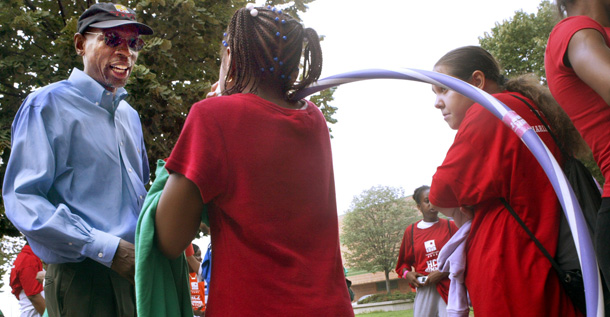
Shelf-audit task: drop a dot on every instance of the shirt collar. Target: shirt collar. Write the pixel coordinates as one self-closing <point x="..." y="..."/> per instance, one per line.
<point x="92" y="90"/>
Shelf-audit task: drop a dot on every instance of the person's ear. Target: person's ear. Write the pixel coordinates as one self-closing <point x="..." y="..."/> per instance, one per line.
<point x="79" y="44"/>
<point x="478" y="79"/>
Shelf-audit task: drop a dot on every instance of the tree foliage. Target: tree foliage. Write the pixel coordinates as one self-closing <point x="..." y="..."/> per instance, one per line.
<point x="373" y="229"/>
<point x="9" y="248"/>
<point x="176" y="68"/>
<point x="519" y="44"/>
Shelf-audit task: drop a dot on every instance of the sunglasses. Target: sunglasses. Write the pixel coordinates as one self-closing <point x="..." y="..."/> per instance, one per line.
<point x="112" y="39"/>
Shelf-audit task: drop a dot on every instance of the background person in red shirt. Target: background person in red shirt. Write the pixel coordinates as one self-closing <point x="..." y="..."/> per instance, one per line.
<point x="24" y="284"/>
<point x="420" y="246"/>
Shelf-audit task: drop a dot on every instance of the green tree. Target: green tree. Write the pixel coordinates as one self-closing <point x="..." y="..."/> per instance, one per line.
<point x="373" y="228"/>
<point x="519" y="44"/>
<point x="9" y="248"/>
<point x="176" y="68"/>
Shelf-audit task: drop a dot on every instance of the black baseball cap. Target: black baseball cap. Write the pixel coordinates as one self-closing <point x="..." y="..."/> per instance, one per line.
<point x="109" y="15"/>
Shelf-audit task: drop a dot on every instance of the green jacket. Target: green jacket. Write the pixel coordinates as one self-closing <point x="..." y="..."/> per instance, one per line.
<point x="162" y="287"/>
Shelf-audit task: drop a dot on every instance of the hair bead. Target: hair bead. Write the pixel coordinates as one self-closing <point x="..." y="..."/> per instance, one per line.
<point x="253" y="11"/>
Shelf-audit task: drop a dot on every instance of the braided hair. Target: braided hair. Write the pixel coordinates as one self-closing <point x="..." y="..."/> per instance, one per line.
<point x="266" y="47"/>
<point x="417" y="194"/>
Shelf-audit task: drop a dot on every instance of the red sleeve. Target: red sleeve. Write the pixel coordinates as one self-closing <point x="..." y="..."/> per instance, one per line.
<point x="199" y="153"/>
<point x="27" y="276"/>
<point x="561" y="35"/>
<point x="405" y="255"/>
<point x="189" y="250"/>
<point x="470" y="172"/>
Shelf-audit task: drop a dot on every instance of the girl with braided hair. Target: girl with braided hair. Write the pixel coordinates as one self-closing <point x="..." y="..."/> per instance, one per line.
<point x="488" y="167"/>
<point x="260" y="162"/>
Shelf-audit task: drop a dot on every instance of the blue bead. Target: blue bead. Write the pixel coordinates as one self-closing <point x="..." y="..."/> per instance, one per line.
<point x="268" y="7"/>
<point x="283" y="76"/>
<point x="271" y="69"/>
<point x="281" y="63"/>
<point x="275" y="59"/>
<point x="276" y="19"/>
<point x="224" y="34"/>
<point x="262" y="69"/>
<point x="283" y="21"/>
<point x="279" y="11"/>
<point x="284" y="37"/>
<point x="277" y="34"/>
<point x="273" y="9"/>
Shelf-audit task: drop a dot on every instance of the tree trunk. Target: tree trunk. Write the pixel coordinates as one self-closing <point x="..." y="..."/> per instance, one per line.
<point x="387" y="280"/>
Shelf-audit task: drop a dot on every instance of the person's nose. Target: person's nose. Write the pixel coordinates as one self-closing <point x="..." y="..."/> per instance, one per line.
<point x="438" y="102"/>
<point x="123" y="48"/>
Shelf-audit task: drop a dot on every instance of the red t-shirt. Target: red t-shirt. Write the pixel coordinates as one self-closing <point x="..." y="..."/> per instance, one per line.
<point x="266" y="173"/>
<point x="189" y="250"/>
<point x="506" y="274"/>
<point x="586" y="108"/>
<point x="426" y="243"/>
<point x="23" y="274"/>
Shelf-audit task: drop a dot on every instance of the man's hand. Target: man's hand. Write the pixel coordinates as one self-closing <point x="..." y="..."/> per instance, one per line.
<point x="124" y="260"/>
<point x="412" y="279"/>
<point x="435" y="277"/>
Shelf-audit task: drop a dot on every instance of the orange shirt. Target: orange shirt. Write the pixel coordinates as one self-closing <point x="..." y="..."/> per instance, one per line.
<point x="197" y="292"/>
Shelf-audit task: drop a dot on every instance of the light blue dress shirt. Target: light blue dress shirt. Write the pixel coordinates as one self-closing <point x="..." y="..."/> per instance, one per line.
<point x="74" y="183"/>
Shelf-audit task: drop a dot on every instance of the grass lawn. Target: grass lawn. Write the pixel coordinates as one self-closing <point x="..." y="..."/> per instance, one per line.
<point x="400" y="313"/>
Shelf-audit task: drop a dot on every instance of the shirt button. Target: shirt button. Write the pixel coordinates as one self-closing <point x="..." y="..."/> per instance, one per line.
<point x="121" y="143"/>
<point x="130" y="170"/>
<point x="97" y="103"/>
<point x="141" y="197"/>
<point x="69" y="243"/>
<point x="107" y="94"/>
<point x="99" y="255"/>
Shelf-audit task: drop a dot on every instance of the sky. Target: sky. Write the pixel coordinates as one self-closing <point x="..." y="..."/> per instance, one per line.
<point x="388" y="132"/>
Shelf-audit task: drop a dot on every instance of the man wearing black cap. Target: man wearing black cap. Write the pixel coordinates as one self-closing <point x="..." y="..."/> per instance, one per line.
<point x="74" y="183"/>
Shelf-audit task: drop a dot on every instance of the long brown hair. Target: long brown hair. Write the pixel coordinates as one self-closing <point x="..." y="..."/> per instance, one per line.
<point x="464" y="61"/>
